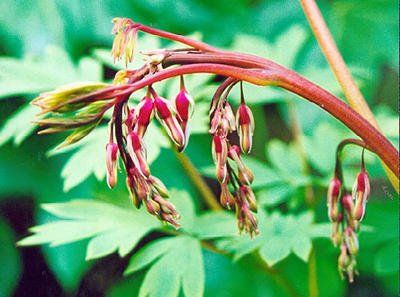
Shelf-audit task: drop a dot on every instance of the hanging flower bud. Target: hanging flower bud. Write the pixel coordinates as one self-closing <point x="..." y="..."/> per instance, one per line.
<point x="336" y="235"/>
<point x="215" y="122"/>
<point x="246" y="220"/>
<point x="164" y="113"/>
<point x="229" y="115"/>
<point x="351" y="240"/>
<point x="168" y="211"/>
<point x="361" y="191"/>
<point x="152" y="207"/>
<point x="130" y="185"/>
<point x="220" y="153"/>
<point x="245" y="175"/>
<point x="159" y="186"/>
<point x="111" y="162"/>
<point x="346" y="263"/>
<point x="143" y="114"/>
<point x="142" y="189"/>
<point x="246" y="193"/>
<point x="226" y="198"/>
<point x="184" y="109"/>
<point x="333" y="199"/>
<point x="245" y="127"/>
<point x="131" y="119"/>
<point x="348" y="206"/>
<point x="137" y="153"/>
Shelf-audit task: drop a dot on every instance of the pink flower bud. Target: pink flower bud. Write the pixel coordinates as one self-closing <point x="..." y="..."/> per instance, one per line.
<point x="164" y="113"/>
<point x="152" y="207"/>
<point x="158" y="186"/>
<point x="131" y="120"/>
<point x="184" y="105"/>
<point x="130" y="185"/>
<point x="143" y="114"/>
<point x="245" y="127"/>
<point x="246" y="220"/>
<point x="245" y="175"/>
<point x="137" y="153"/>
<point x="229" y="115"/>
<point x="184" y="109"/>
<point x="351" y="241"/>
<point x="336" y="235"/>
<point x="220" y="153"/>
<point x="361" y="191"/>
<point x="111" y="162"/>
<point x="215" y="122"/>
<point x="226" y="198"/>
<point x="333" y="199"/>
<point x="246" y="193"/>
<point x="348" y="205"/>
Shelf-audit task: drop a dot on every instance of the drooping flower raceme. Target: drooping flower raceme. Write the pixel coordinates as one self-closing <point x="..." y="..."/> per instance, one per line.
<point x="79" y="108"/>
<point x="346" y="212"/>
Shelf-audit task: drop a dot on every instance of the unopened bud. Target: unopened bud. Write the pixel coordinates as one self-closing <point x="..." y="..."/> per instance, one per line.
<point x="226" y="198"/>
<point x="137" y="153"/>
<point x="166" y="206"/>
<point x="361" y="191"/>
<point x="111" y="162"/>
<point x="336" y="235"/>
<point x="220" y="154"/>
<point x="245" y="127"/>
<point x="245" y="175"/>
<point x="159" y="186"/>
<point x="333" y="199"/>
<point x="351" y="240"/>
<point x="229" y="115"/>
<point x="164" y="113"/>
<point x="152" y="207"/>
<point x="247" y="193"/>
<point x="130" y="185"/>
<point x="143" y="114"/>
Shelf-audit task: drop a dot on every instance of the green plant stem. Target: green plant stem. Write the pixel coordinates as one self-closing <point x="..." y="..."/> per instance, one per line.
<point x="309" y="195"/>
<point x="198" y="181"/>
<point x="312" y="275"/>
<point x="341" y="72"/>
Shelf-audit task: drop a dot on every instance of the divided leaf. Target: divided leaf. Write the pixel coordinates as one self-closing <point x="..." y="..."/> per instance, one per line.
<point x="280" y="236"/>
<point x="177" y="262"/>
<point x="110" y="228"/>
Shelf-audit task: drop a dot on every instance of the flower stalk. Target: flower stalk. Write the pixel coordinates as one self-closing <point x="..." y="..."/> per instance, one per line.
<point x="130" y="123"/>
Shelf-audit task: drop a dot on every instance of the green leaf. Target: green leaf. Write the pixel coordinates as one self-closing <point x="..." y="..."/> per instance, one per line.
<point x="19" y="125"/>
<point x="36" y="74"/>
<point x="214" y="225"/>
<point x="285" y="158"/>
<point x="110" y="228"/>
<point x="280" y="236"/>
<point x="10" y="261"/>
<point x="177" y="262"/>
<point x="274" y="194"/>
<point x="87" y="160"/>
<point x="384" y="263"/>
<point x="321" y="146"/>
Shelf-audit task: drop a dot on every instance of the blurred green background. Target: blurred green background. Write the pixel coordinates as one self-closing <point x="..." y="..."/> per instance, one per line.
<point x="44" y="44"/>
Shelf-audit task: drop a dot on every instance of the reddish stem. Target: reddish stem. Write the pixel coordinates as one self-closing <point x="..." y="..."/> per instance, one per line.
<point x="295" y="83"/>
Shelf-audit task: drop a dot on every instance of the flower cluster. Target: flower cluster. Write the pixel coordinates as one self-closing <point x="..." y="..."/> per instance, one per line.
<point x="346" y="211"/>
<point x="143" y="187"/>
<point x="223" y="123"/>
